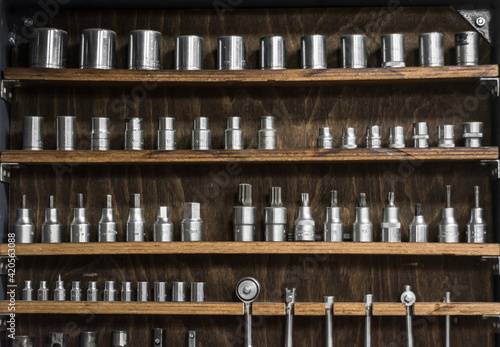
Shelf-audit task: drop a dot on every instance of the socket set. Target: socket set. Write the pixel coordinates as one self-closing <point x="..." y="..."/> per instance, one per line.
<point x="48" y="46"/>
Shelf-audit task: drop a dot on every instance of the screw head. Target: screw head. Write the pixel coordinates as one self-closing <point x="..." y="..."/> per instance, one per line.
<point x="480" y="21"/>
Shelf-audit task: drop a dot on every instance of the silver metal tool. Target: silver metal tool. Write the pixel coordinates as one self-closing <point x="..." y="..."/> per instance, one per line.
<point x="127" y="292"/>
<point x="362" y="229"/>
<point x="448" y="226"/>
<point x="97" y="49"/>
<point x="391" y="226"/>
<point x="304" y="226"/>
<point x="59" y="291"/>
<point x="178" y="291"/>
<point x="51" y="228"/>
<point x="396" y="137"/>
<point x="447" y="299"/>
<point x="21" y="341"/>
<point x="58" y="339"/>
<point x="393" y="51"/>
<point x="142" y="291"/>
<point x="192" y="227"/>
<point x="47" y="48"/>
<point x="107" y="228"/>
<point x="275" y="217"/>
<point x="109" y="291"/>
<point x="267" y="134"/>
<point x="135" y="222"/>
<point x="418" y="230"/>
<point x="313" y="52"/>
<point x="201" y="138"/>
<point x="290" y="295"/>
<point x="24" y="229"/>
<point x="28" y="292"/>
<point x="120" y="338"/>
<point x="446" y="136"/>
<point x="408" y="298"/>
<point x="80" y="226"/>
<point x="431" y="51"/>
<point x="333" y="229"/>
<point x="198" y="291"/>
<point x="163" y="230"/>
<point x="231" y="53"/>
<point x="373" y="138"/>
<point x="349" y="140"/>
<point x="467" y="48"/>
<point x="144" y="50"/>
<point x="247" y="290"/>
<point x="188" y="52"/>
<point x="134" y="135"/>
<point x="273" y="53"/>
<point x="43" y="292"/>
<point x="420" y="135"/>
<point x="92" y="291"/>
<point x="100" y="137"/>
<point x="473" y="134"/>
<point x="66" y="133"/>
<point x="33" y="133"/>
<point x="368" y="300"/>
<point x="159" y="337"/>
<point x="192" y="339"/>
<point x="244" y="215"/>
<point x="325" y="138"/>
<point x="353" y="49"/>
<point x="89" y="338"/>
<point x="167" y="135"/>
<point x="233" y="135"/>
<point x="477" y="228"/>
<point x="160" y="291"/>
<point x="76" y="291"/>
<point x="329" y="302"/>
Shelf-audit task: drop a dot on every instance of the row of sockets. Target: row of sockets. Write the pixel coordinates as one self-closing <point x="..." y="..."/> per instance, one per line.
<point x="233" y="135"/>
<point x="97" y="50"/>
<point x="275" y="222"/>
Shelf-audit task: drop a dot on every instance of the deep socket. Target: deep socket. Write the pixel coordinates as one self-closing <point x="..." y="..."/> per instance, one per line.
<point x="100" y="137"/>
<point x="89" y="338"/>
<point x="373" y="138"/>
<point x="273" y="53"/>
<point x="362" y="229"/>
<point x="329" y="302"/>
<point x="431" y="51"/>
<point x="473" y="134"/>
<point x="391" y="226"/>
<point x="109" y="291"/>
<point x="134" y="135"/>
<point x="201" y="137"/>
<point x="349" y="140"/>
<point x="275" y="217"/>
<point x="76" y="291"/>
<point x="58" y="339"/>
<point x="267" y="135"/>
<point x="24" y="229"/>
<point x="167" y="135"/>
<point x="33" y="133"/>
<point x="92" y="291"/>
<point x="418" y="230"/>
<point x="333" y="229"/>
<point x="188" y="52"/>
<point x="396" y="137"/>
<point x="158" y="337"/>
<point x="178" y="291"/>
<point x="244" y="215"/>
<point x="21" y="341"/>
<point x="120" y="338"/>
<point x="353" y="48"/>
<point x="66" y="133"/>
<point x="304" y="226"/>
<point x="80" y="226"/>
<point x="192" y="339"/>
<point x="28" y="292"/>
<point x="144" y="50"/>
<point x="135" y="221"/>
<point x="448" y="226"/>
<point x="142" y="291"/>
<point x="233" y="135"/>
<point x="47" y="48"/>
<point x="393" y="51"/>
<point x="127" y="292"/>
<point x="446" y="135"/>
<point x="192" y="227"/>
<point x="107" y="227"/>
<point x="325" y="138"/>
<point x="163" y="229"/>
<point x="43" y="292"/>
<point x="97" y="49"/>
<point x="477" y="228"/>
<point x="467" y="48"/>
<point x="420" y="135"/>
<point x="231" y="53"/>
<point x="59" y="291"/>
<point x="51" y="228"/>
<point x="198" y="291"/>
<point x="313" y="52"/>
<point x="160" y="291"/>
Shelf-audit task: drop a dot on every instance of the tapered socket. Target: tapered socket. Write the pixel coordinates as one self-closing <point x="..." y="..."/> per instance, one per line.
<point x="28" y="292"/>
<point x="24" y="229"/>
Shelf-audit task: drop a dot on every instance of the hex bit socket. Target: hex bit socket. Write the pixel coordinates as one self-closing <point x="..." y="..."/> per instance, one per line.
<point x="59" y="291"/>
<point x="391" y="226"/>
<point x="244" y="215"/>
<point x="477" y="228"/>
<point x="418" y="230"/>
<point x="27" y="292"/>
<point x="51" y="228"/>
<point x="448" y="226"/>
<point x="362" y="229"/>
<point x="107" y="228"/>
<point x="275" y="217"/>
<point x="333" y="229"/>
<point x="163" y="229"/>
<point x="192" y="227"/>
<point x="80" y="227"/>
<point x="304" y="226"/>
<point x="135" y="221"/>
<point x="24" y="229"/>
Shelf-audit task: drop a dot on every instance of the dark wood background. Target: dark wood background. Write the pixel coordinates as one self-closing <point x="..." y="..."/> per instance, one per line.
<point x="299" y="112"/>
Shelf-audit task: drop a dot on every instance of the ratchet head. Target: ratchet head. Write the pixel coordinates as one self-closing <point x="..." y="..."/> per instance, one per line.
<point x="248" y="289"/>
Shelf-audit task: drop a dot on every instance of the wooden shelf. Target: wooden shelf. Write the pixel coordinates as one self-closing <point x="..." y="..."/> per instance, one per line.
<point x="213" y="78"/>
<point x="357" y="248"/>
<point x="251" y="156"/>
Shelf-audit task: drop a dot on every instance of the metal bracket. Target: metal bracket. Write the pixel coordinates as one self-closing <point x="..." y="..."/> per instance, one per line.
<point x="5" y="171"/>
<point x="492" y="84"/>
<point x="495" y="171"/>
<point x="496" y="322"/>
<point x="6" y="87"/>
<point x="496" y="265"/>
<point x="478" y="18"/>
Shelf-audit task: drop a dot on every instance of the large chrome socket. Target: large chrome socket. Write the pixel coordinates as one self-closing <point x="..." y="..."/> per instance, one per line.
<point x="100" y="138"/>
<point x="473" y="134"/>
<point x="393" y="51"/>
<point x="24" y="229"/>
<point x="51" y="228"/>
<point x="163" y="229"/>
<point x="446" y="136"/>
<point x="349" y="140"/>
<point x="134" y="135"/>
<point x="353" y="48"/>
<point x="273" y="53"/>
<point x="275" y="217"/>
<point x="313" y="52"/>
<point x="126" y="292"/>
<point x="198" y="291"/>
<point x="76" y="291"/>
<point x="89" y="338"/>
<point x="373" y="137"/>
<point x="325" y="138"/>
<point x="160" y="291"/>
<point x="92" y="291"/>
<point x="396" y="137"/>
<point x="201" y="137"/>
<point x="192" y="227"/>
<point x="179" y="291"/>
<point x="79" y="229"/>
<point x="144" y="50"/>
<point x="47" y="48"/>
<point x="420" y="135"/>
<point x="120" y="338"/>
<point x="267" y="136"/>
<point x="431" y="49"/>
<point x="188" y="52"/>
<point x="107" y="227"/>
<point x="32" y="133"/>
<point x="58" y="339"/>
<point x="135" y="221"/>
<point x="97" y="49"/>
<point x="233" y="135"/>
<point x="66" y="133"/>
<point x="467" y="48"/>
<point x="142" y="291"/>
<point x="231" y="53"/>
<point x="167" y="135"/>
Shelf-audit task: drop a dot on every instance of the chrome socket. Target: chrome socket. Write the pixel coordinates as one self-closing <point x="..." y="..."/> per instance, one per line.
<point x="233" y="135"/>
<point x="107" y="227"/>
<point x="32" y="133"/>
<point x="28" y="292"/>
<point x="431" y="51"/>
<point x="418" y="230"/>
<point x="362" y="229"/>
<point x="51" y="228"/>
<point x="100" y="137"/>
<point x="353" y="48"/>
<point x="373" y="138"/>
<point x="167" y="135"/>
<point x="192" y="339"/>
<point x="420" y="135"/>
<point x="192" y="227"/>
<point x="349" y="140"/>
<point x="391" y="226"/>
<point x="267" y="135"/>
<point x="304" y="226"/>
<point x="126" y="292"/>
<point x="47" y="48"/>
<point x="135" y="222"/>
<point x="92" y="291"/>
<point x="144" y="50"/>
<point x="198" y="291"/>
<point x="160" y="291"/>
<point x="24" y="229"/>
<point x="467" y="48"/>
<point x="273" y="53"/>
<point x="59" y="291"/>
<point x="134" y="135"/>
<point x="66" y="133"/>
<point x="396" y="137"/>
<point x="446" y="136"/>
<point x="109" y="291"/>
<point x="313" y="52"/>
<point x="80" y="226"/>
<point x="201" y="137"/>
<point x="142" y="291"/>
<point x="89" y="338"/>
<point x="244" y="215"/>
<point x="58" y="340"/>
<point x="275" y="217"/>
<point x="179" y="291"/>
<point x="43" y="292"/>
<point x="120" y="338"/>
<point x="188" y="52"/>
<point x="97" y="49"/>
<point x="393" y="51"/>
<point x="231" y="53"/>
<point x="473" y="134"/>
<point x="477" y="228"/>
<point x="76" y="291"/>
<point x="333" y="229"/>
<point x="163" y="230"/>
<point x="325" y="138"/>
<point x="448" y="226"/>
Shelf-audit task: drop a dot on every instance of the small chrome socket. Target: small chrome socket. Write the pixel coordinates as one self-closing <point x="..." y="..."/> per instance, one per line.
<point x="349" y="140"/>
<point x="325" y="138"/>
<point x="446" y="136"/>
<point x="420" y="135"/>
<point x="353" y="48"/>
<point x="373" y="137"/>
<point x="396" y="137"/>
<point x="188" y="52"/>
<point x="393" y="51"/>
<point x="313" y="52"/>
<point x="134" y="135"/>
<point x="201" y="137"/>
<point x="167" y="135"/>
<point x="100" y="137"/>
<point x="233" y="135"/>
<point x="273" y="53"/>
